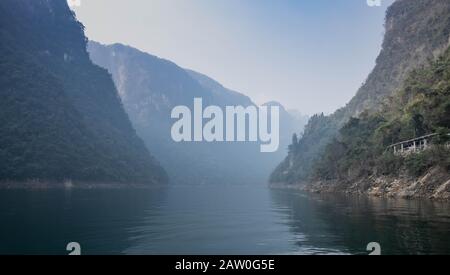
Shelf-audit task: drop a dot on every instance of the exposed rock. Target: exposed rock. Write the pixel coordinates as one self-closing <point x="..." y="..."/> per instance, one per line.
<point x="435" y="184"/>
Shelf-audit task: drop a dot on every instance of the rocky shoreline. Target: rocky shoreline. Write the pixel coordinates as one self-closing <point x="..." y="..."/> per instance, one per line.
<point x="434" y="185"/>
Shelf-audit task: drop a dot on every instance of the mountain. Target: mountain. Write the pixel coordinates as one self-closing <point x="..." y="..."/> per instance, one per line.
<point x="150" y="87"/>
<point x="360" y="159"/>
<point x="222" y="96"/>
<point x="299" y="120"/>
<point x="61" y="117"/>
<point x="291" y="124"/>
<point x="417" y="31"/>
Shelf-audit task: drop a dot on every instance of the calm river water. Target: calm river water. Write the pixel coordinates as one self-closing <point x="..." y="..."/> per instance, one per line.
<point x="217" y="220"/>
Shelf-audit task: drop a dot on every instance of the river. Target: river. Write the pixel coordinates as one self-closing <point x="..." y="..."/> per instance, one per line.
<point x="207" y="219"/>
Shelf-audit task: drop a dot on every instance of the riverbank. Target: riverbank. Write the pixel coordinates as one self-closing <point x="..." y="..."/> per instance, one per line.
<point x="434" y="185"/>
<point x="38" y="184"/>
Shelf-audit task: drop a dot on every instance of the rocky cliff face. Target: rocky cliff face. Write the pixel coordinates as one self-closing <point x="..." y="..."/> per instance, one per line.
<point x="362" y="160"/>
<point x="417" y="31"/>
<point x="434" y="184"/>
<point x="61" y="115"/>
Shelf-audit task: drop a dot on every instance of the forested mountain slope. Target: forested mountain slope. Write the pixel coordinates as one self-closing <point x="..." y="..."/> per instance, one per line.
<point x="417" y="31"/>
<point x="61" y="117"/>
<point x="360" y="159"/>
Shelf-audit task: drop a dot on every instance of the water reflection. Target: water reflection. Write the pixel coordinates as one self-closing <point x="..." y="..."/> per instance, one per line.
<point x="217" y="220"/>
<point x="213" y="220"/>
<point x="349" y="223"/>
<point x="44" y="221"/>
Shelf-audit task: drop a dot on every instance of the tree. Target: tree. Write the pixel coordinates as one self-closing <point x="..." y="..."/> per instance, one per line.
<point x="417" y="121"/>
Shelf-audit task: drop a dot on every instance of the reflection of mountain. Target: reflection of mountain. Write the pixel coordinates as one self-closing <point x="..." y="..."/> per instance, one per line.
<point x="99" y="219"/>
<point x="150" y="87"/>
<point x="348" y="223"/>
<point x="60" y="114"/>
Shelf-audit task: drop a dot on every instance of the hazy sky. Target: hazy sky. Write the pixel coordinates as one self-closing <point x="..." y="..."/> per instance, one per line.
<point x="310" y="55"/>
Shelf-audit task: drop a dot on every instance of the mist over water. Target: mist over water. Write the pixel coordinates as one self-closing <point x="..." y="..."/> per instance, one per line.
<point x="206" y="219"/>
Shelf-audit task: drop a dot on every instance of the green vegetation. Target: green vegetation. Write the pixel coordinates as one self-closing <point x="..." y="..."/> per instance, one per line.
<point x="417" y="31"/>
<point x="421" y="107"/>
<point x="304" y="151"/>
<point x="60" y="115"/>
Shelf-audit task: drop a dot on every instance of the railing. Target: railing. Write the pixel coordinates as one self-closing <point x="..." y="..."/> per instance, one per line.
<point x="414" y="145"/>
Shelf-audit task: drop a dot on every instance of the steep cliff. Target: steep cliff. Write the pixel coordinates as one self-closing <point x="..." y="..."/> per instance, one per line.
<point x="361" y="158"/>
<point x="417" y="31"/>
<point x="61" y="116"/>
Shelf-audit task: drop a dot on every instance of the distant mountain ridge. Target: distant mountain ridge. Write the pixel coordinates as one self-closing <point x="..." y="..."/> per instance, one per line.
<point x="224" y="96"/>
<point x="62" y="118"/>
<point x="150" y="87"/>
